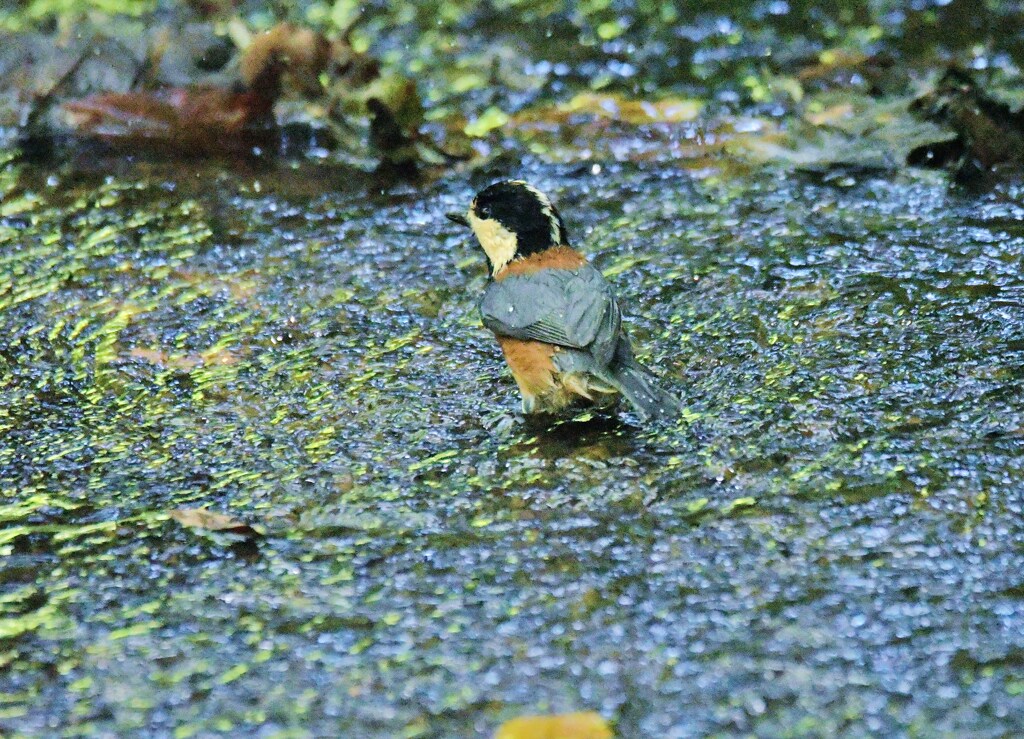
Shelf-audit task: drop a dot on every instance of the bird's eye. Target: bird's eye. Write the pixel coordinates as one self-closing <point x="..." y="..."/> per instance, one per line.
<point x="484" y="211"/>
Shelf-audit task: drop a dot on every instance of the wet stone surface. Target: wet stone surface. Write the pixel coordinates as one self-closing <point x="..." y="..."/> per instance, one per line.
<point x="829" y="541"/>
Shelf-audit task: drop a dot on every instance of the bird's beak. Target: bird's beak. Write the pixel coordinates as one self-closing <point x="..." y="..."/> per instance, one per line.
<point x="457" y="218"/>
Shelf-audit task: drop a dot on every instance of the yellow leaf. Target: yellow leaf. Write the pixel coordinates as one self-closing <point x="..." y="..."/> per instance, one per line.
<point x="489" y="120"/>
<point x="609" y="30"/>
<point x="582" y="725"/>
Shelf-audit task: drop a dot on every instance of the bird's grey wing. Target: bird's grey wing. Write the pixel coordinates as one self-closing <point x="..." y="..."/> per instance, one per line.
<point x="573" y="308"/>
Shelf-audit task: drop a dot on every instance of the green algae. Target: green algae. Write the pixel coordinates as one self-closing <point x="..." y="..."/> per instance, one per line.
<point x="423" y="545"/>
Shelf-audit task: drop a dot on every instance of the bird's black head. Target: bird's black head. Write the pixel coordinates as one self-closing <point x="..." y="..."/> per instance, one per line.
<point x="525" y="211"/>
<point x="512" y="220"/>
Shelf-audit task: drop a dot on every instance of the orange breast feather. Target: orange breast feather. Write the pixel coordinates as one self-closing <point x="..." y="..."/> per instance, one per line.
<point x="530" y="361"/>
<point x="557" y="257"/>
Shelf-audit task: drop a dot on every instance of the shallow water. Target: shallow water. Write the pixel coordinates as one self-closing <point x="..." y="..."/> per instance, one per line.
<point x="829" y="541"/>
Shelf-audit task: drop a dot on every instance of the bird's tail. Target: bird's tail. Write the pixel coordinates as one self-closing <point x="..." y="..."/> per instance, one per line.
<point x="640" y="388"/>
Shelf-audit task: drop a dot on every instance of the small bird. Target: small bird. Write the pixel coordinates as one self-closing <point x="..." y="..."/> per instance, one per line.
<point x="554" y="313"/>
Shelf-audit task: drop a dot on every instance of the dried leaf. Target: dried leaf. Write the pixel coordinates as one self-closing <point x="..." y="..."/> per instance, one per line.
<point x="201" y="518"/>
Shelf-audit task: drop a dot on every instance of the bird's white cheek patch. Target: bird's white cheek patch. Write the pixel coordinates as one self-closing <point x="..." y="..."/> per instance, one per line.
<point x="499" y="244"/>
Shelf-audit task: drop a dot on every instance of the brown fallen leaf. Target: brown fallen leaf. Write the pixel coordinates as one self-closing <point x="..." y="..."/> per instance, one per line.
<point x="581" y="725"/>
<point x="201" y="518"/>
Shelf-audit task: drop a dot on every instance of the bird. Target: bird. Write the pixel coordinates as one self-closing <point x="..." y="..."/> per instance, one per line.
<point x="553" y="313"/>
